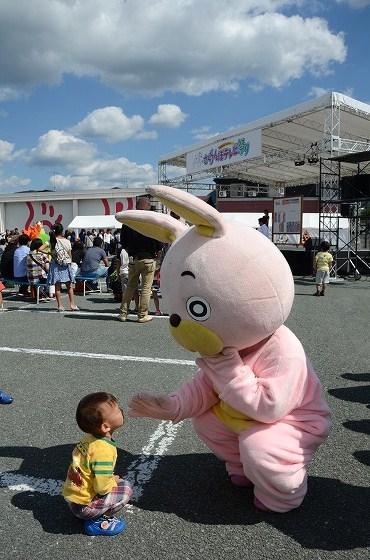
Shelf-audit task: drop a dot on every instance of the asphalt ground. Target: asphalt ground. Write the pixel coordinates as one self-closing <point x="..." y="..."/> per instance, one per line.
<point x="185" y="507"/>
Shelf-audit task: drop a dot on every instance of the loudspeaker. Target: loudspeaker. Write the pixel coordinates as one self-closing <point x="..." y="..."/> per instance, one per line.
<point x="355" y="187"/>
<point x="302" y="190"/>
<point x="346" y="210"/>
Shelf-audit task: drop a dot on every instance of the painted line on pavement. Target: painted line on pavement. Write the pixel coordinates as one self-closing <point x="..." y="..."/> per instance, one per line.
<point x="139" y="472"/>
<point x="82" y="312"/>
<point x="90" y="355"/>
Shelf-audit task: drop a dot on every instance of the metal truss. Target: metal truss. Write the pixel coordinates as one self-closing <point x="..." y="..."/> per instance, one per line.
<point x="329" y="196"/>
<point x="330" y="199"/>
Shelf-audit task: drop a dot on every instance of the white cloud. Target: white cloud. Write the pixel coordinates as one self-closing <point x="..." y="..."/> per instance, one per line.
<point x="317" y="91"/>
<point x="162" y="45"/>
<point x="355" y="3"/>
<point x="110" y="124"/>
<point x="6" y="151"/>
<point x="58" y="148"/>
<point x="203" y="133"/>
<point x="147" y="135"/>
<point x="168" y="115"/>
<point x="105" y="174"/>
<point x="13" y="182"/>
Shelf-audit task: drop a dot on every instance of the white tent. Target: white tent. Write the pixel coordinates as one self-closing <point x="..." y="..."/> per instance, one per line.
<point x="94" y="222"/>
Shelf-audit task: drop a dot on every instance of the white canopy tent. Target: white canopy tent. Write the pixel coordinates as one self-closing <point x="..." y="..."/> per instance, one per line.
<point x="94" y="222"/>
<point x="330" y="125"/>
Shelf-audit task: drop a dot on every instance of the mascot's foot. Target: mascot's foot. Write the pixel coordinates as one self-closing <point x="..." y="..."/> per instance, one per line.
<point x="259" y="505"/>
<point x="240" y="480"/>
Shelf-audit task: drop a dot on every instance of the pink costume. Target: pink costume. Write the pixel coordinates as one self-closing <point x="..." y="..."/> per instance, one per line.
<point x="255" y="401"/>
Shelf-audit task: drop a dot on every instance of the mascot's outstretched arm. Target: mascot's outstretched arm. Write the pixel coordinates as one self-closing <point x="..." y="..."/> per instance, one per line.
<point x="192" y="399"/>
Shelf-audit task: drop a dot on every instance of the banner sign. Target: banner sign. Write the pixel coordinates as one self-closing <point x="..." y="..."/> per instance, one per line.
<point x="287" y="220"/>
<point x="225" y="152"/>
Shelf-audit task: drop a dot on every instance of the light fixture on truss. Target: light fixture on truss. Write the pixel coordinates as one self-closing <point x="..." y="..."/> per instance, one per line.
<point x="299" y="161"/>
<point x="313" y="154"/>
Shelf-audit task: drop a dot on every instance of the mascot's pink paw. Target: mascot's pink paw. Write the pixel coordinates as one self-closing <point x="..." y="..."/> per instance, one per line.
<point x="153" y="406"/>
<point x="240" y="480"/>
<point x="259" y="505"/>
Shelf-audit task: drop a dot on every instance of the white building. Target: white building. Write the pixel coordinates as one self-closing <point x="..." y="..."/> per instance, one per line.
<point x="23" y="209"/>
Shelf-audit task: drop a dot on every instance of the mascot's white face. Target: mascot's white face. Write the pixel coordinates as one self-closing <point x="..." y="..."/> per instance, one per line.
<point x="223" y="284"/>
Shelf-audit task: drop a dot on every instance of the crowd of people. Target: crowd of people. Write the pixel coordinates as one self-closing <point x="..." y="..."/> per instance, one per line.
<point x="129" y="262"/>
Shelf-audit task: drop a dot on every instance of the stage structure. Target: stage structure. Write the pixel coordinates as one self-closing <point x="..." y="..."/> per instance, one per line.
<point x="346" y="197"/>
<point x="294" y="147"/>
<point x="280" y="150"/>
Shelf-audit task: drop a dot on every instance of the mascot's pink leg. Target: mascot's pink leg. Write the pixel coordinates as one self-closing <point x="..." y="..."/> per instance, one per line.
<point x="275" y="458"/>
<point x="221" y="440"/>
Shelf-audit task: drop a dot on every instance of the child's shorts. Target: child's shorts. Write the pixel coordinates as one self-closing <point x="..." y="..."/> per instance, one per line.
<point x="112" y="502"/>
<point x="322" y="277"/>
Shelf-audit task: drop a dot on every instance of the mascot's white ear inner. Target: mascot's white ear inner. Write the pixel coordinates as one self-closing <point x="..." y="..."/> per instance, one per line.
<point x="159" y="226"/>
<point x="208" y="221"/>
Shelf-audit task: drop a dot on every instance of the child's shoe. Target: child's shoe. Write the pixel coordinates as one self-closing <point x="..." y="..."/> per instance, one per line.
<point x="5" y="398"/>
<point x="105" y="526"/>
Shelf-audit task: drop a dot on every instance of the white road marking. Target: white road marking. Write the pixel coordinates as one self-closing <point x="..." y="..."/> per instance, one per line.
<point x="81" y="312"/>
<point x="139" y="472"/>
<point x="113" y="357"/>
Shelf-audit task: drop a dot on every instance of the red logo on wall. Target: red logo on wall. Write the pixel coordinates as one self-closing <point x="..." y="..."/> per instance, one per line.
<point x="46" y="209"/>
<point x="126" y="204"/>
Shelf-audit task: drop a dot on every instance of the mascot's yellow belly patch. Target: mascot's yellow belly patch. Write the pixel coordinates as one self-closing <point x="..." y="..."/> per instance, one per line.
<point x="233" y="419"/>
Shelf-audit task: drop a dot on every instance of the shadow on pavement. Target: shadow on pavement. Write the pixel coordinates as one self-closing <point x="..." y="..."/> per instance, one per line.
<point x="363" y="457"/>
<point x="50" y="463"/>
<point x="360" y="394"/>
<point x="195" y="488"/>
<point x="363" y="377"/>
<point x="361" y="426"/>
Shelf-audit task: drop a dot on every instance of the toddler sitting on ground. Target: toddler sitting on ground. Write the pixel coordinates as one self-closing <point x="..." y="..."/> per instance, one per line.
<point x="91" y="490"/>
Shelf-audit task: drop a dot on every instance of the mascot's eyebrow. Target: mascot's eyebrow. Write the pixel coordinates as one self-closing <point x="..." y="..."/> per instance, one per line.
<point x="187" y="273"/>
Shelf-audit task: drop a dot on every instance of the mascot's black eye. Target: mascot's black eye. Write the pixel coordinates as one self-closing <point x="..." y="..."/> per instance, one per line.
<point x="198" y="308"/>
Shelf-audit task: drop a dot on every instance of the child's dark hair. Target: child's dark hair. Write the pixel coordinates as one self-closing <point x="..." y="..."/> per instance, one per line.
<point x="56" y="230"/>
<point x="36" y="244"/>
<point x="98" y="242"/>
<point x="88" y="413"/>
<point x="23" y="239"/>
<point x="324" y="246"/>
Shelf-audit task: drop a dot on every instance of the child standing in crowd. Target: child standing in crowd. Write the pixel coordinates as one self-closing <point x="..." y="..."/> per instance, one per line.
<point x="156" y="287"/>
<point x="93" y="493"/>
<point x="60" y="270"/>
<point x="323" y="262"/>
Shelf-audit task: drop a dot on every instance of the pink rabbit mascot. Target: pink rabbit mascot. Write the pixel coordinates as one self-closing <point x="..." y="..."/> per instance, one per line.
<point x="255" y="400"/>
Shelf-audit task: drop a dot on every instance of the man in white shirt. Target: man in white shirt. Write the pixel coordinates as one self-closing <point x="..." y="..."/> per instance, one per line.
<point x="107" y="238"/>
<point x="263" y="228"/>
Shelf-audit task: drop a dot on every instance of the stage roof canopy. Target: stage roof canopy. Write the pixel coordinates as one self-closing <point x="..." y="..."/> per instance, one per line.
<point x="331" y="125"/>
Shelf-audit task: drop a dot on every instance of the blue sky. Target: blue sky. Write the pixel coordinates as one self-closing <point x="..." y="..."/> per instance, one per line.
<point x="93" y="92"/>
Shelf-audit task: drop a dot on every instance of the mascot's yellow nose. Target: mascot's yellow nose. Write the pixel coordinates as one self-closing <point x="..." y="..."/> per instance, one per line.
<point x="195" y="337"/>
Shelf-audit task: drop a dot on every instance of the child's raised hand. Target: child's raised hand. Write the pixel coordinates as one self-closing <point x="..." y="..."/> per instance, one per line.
<point x="153" y="406"/>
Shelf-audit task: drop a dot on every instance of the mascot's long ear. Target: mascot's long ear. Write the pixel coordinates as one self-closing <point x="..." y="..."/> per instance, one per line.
<point x="208" y="221"/>
<point x="153" y="224"/>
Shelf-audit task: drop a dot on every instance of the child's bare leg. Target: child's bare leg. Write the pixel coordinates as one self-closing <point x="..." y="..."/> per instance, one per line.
<point x="156" y="300"/>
